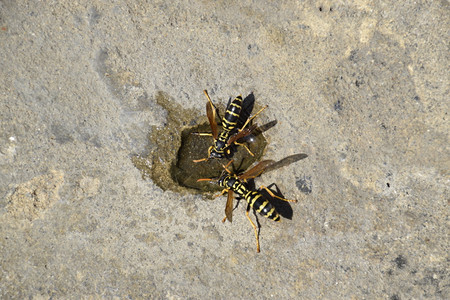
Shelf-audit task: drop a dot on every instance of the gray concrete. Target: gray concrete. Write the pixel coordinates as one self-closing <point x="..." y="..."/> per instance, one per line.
<point x="360" y="86"/>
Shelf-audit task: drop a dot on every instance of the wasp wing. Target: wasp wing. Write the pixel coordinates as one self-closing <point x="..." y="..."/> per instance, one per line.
<point x="256" y="170"/>
<point x="239" y="135"/>
<point x="229" y="206"/>
<point x="286" y="161"/>
<point x="211" y="114"/>
<point x="270" y="165"/>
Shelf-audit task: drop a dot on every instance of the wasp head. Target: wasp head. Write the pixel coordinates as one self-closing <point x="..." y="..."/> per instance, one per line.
<point x="214" y="153"/>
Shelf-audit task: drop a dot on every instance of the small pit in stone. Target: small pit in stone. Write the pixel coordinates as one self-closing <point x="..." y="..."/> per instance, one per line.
<point x="185" y="172"/>
<point x="173" y="148"/>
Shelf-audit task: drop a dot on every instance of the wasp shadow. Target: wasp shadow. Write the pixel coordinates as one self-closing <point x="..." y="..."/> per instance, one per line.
<point x="247" y="107"/>
<point x="283" y="208"/>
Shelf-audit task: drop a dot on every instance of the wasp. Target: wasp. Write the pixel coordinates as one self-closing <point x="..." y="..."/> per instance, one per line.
<point x="238" y="184"/>
<point x="230" y="134"/>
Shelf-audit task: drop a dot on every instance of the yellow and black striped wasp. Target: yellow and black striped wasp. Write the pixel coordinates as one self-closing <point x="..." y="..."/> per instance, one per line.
<point x="233" y="183"/>
<point x="230" y="134"/>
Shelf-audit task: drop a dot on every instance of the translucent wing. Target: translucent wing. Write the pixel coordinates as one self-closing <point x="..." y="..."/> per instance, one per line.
<point x="229" y="206"/>
<point x="211" y="113"/>
<point x="270" y="165"/>
<point x="239" y="135"/>
<point x="256" y="170"/>
<point x="286" y="161"/>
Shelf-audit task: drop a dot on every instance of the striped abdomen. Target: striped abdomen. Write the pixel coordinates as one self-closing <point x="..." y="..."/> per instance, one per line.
<point x="231" y="116"/>
<point x="229" y="122"/>
<point x="256" y="200"/>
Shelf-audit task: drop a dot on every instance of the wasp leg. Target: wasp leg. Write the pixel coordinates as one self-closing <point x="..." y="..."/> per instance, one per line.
<point x="203" y="159"/>
<point x="254" y="228"/>
<point x="223" y="192"/>
<point x="246" y="148"/>
<point x="275" y="196"/>
<point x="202" y="133"/>
<point x="226" y="166"/>
<point x="252" y="117"/>
<point x="200" y="160"/>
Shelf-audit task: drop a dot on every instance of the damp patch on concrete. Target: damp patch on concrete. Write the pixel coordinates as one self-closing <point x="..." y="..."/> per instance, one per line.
<point x="174" y="146"/>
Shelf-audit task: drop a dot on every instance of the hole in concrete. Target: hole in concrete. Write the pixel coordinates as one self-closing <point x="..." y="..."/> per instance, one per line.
<point x="173" y="148"/>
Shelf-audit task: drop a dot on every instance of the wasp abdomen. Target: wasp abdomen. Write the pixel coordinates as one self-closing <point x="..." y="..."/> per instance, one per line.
<point x="231" y="116"/>
<point x="261" y="205"/>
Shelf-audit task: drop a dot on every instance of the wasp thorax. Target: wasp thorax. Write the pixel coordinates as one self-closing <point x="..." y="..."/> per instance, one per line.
<point x="219" y="145"/>
<point x="226" y="181"/>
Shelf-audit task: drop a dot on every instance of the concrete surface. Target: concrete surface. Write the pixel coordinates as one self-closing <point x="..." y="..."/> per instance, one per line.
<point x="360" y="86"/>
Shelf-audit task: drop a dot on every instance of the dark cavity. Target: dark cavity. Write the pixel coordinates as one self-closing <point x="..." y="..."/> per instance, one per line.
<point x="172" y="148"/>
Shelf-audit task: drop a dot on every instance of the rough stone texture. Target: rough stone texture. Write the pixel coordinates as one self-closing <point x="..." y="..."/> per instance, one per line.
<point x="360" y="86"/>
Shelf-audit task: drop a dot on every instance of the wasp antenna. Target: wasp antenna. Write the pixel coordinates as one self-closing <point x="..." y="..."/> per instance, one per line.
<point x="200" y="160"/>
<point x="205" y="179"/>
<point x="228" y="164"/>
